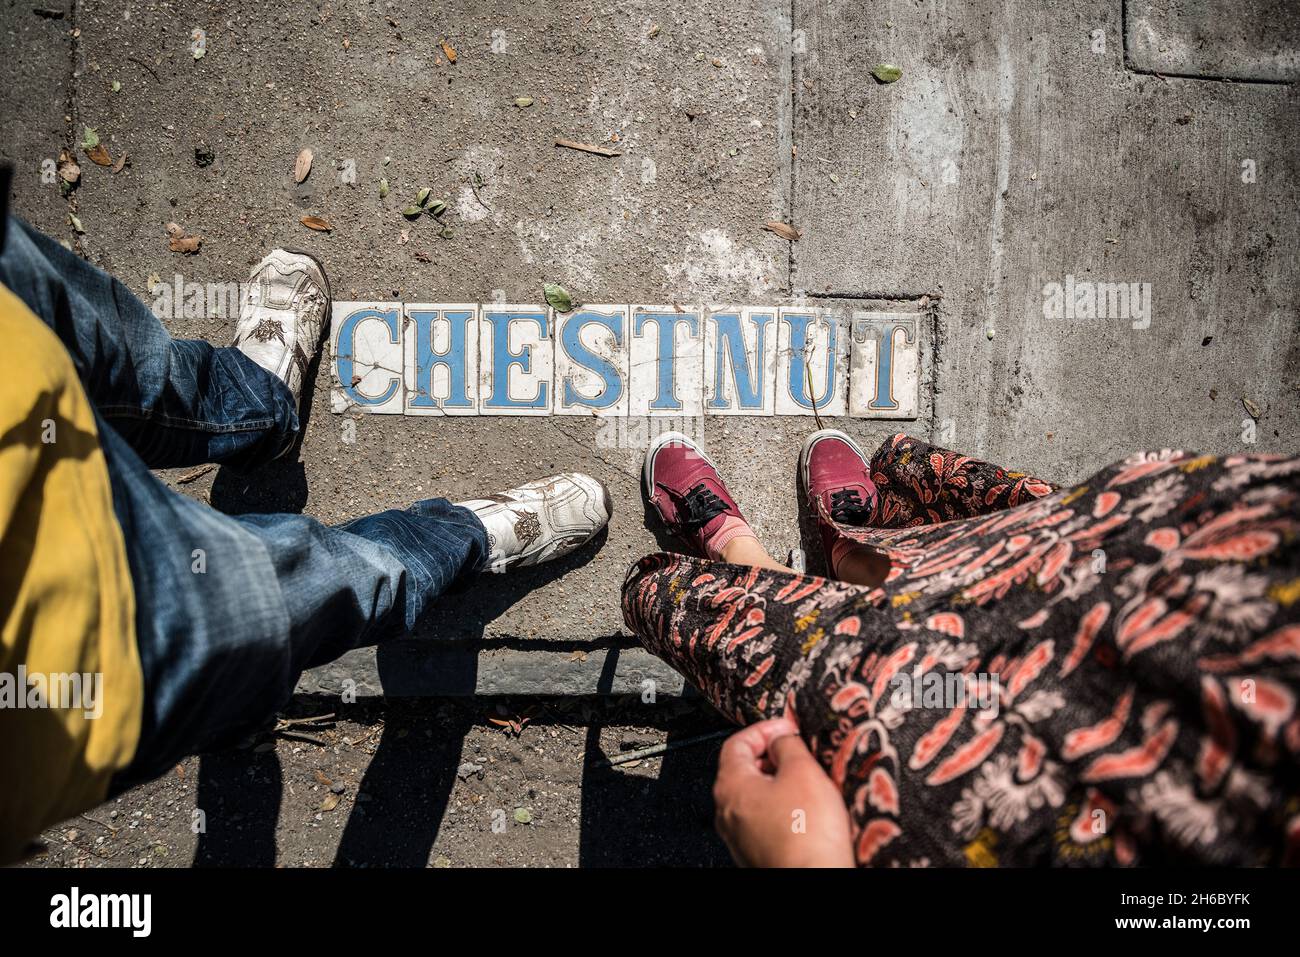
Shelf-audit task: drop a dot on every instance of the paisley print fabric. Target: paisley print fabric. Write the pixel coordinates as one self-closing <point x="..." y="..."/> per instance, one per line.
<point x="1098" y="674"/>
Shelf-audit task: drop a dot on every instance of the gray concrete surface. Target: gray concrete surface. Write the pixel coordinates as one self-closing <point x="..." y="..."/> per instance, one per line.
<point x="427" y="782"/>
<point x="1011" y="155"/>
<point x="1257" y="40"/>
<point x="1025" y="143"/>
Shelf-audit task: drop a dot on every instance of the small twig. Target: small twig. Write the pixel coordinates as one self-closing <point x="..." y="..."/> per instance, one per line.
<point x="110" y="828"/>
<point x="473" y="185"/>
<point x="366" y="737"/>
<point x="300" y="736"/>
<point x="194" y="474"/>
<point x="290" y="722"/>
<point x="559" y="722"/>
<point x="147" y="67"/>
<point x="658" y="749"/>
<point x="586" y="148"/>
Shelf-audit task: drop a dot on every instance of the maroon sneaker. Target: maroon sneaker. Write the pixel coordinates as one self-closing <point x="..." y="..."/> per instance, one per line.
<point x="683" y="485"/>
<point x="837" y="480"/>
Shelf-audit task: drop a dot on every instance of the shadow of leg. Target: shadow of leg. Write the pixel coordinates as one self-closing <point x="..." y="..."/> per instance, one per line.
<point x="239" y="794"/>
<point x="276" y="486"/>
<point x="635" y="820"/>
<point x="405" y="790"/>
<point x="279" y="486"/>
<point x="632" y="817"/>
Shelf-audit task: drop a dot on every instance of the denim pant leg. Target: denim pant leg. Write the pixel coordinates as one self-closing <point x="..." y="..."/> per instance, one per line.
<point x="231" y="609"/>
<point x="176" y="401"/>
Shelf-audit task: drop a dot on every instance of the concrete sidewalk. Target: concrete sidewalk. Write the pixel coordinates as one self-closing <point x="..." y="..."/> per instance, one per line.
<point x="1025" y="146"/>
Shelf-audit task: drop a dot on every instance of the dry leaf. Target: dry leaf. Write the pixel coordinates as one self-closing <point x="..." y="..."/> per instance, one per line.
<point x="330" y="802"/>
<point x="405" y="237"/>
<point x="1252" y="408"/>
<point x="99" y="156"/>
<point x="316" y="223"/>
<point x="179" y="242"/>
<point x="68" y="168"/>
<point x="578" y="656"/>
<point x="449" y="51"/>
<point x="784" y="230"/>
<point x="302" y="166"/>
<point x="120" y="164"/>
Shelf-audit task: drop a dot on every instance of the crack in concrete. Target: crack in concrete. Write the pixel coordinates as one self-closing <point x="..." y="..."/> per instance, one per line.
<point x="1203" y="77"/>
<point x="907" y="297"/>
<point x="938" y="337"/>
<point x="70" y="113"/>
<point x="791" y="154"/>
<point x="634" y="478"/>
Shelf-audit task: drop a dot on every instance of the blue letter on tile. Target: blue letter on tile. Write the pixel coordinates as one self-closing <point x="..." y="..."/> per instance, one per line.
<point x="799" y="345"/>
<point x="454" y="359"/>
<point x="573" y="347"/>
<point x="666" y="323"/>
<point x="503" y="359"/>
<point x="346" y="345"/>
<point x="749" y="379"/>
<point x="884" y="397"/>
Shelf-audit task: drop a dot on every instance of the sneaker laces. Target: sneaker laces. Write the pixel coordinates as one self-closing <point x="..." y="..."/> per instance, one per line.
<point x="847" y="507"/>
<point x="701" y="505"/>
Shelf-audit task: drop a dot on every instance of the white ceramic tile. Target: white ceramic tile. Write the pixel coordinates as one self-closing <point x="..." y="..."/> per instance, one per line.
<point x="366" y="345"/>
<point x="820" y="336"/>
<point x="885" y="365"/>
<point x="516" y="360"/>
<point x="591" y="351"/>
<point x="441" y="343"/>
<point x="666" y="361"/>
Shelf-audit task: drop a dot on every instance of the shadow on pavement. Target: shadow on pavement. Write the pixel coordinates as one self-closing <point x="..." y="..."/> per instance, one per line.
<point x="408" y="784"/>
<point x="239" y="794"/>
<point x="630" y="820"/>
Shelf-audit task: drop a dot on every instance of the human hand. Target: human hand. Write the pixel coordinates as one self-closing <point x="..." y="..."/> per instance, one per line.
<point x="774" y="805"/>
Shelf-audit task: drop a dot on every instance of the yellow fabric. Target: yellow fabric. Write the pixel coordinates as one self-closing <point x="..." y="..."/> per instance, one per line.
<point x="65" y="591"/>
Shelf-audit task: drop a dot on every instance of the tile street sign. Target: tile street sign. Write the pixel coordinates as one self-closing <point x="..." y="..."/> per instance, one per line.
<point x="623" y="360"/>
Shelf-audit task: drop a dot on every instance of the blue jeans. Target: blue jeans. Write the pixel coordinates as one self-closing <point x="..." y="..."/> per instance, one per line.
<point x="229" y="609"/>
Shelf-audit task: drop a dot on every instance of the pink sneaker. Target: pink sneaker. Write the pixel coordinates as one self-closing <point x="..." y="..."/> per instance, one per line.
<point x="836" y="478"/>
<point x="683" y="485"/>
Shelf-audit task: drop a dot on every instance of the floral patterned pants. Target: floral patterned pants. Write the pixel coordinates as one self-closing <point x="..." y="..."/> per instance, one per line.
<point x="1100" y="674"/>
